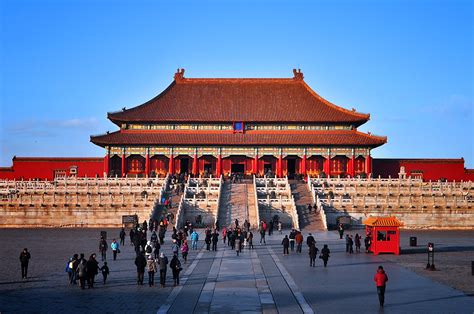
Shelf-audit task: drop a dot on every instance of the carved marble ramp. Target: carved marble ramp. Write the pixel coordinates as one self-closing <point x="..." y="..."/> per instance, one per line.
<point x="309" y="221"/>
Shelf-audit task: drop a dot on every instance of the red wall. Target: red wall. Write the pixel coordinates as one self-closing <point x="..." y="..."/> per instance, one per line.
<point x="431" y="169"/>
<point x="43" y="168"/>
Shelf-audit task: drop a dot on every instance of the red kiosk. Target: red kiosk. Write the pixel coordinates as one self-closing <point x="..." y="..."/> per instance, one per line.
<point x="384" y="234"/>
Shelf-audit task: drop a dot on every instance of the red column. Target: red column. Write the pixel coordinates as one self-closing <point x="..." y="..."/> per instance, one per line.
<point x="351" y="166"/>
<point x="171" y="164"/>
<point x="368" y="165"/>
<point x="303" y="165"/>
<point x="195" y="165"/>
<point x="147" y="165"/>
<point x="219" y="165"/>
<point x="124" y="169"/>
<point x="255" y="165"/>
<point x="106" y="164"/>
<point x="327" y="166"/>
<point x="280" y="166"/>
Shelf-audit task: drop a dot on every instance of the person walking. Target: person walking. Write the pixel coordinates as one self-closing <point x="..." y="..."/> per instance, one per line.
<point x="224" y="234"/>
<point x="357" y="242"/>
<point x="105" y="272"/>
<point x="325" y="254"/>
<point x="115" y="248"/>
<point x="313" y="252"/>
<point x="25" y="257"/>
<point x="73" y="265"/>
<point x="92" y="269"/>
<point x="103" y="248"/>
<point x="367" y="243"/>
<point x="163" y="262"/>
<point x="69" y="266"/>
<point x="381" y="279"/>
<point x="81" y="273"/>
<point x="148" y="250"/>
<point x="299" y="241"/>
<point x="238" y="243"/>
<point x="175" y="248"/>
<point x="340" y="229"/>
<point x="292" y="239"/>
<point x="185" y="250"/>
<point x="347" y="243"/>
<point x="250" y="240"/>
<point x="215" y="239"/>
<point x="351" y="245"/>
<point x="152" y="268"/>
<point x="140" y="262"/>
<point x="122" y="236"/>
<point x="262" y="233"/>
<point x="208" y="239"/>
<point x="279" y="227"/>
<point x="194" y="239"/>
<point x="175" y="266"/>
<point x="286" y="243"/>
<point x="310" y="239"/>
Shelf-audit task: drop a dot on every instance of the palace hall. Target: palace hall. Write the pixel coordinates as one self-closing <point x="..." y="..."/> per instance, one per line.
<point x="238" y="125"/>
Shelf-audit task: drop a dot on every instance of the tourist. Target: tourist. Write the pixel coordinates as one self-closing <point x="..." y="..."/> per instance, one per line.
<point x="148" y="250"/>
<point x="81" y="273"/>
<point x="144" y="225"/>
<point x="340" y="229"/>
<point x="262" y="233"/>
<point x="310" y="239"/>
<point x="163" y="261"/>
<point x="185" y="251"/>
<point x="194" y="239"/>
<point x="69" y="267"/>
<point x="103" y="248"/>
<point x="161" y="233"/>
<point x="357" y="242"/>
<point x="224" y="234"/>
<point x="175" y="266"/>
<point x="367" y="243"/>
<point x="236" y="223"/>
<point x="270" y="228"/>
<point x="279" y="227"/>
<point x="154" y="238"/>
<point x="215" y="239"/>
<point x="141" y="263"/>
<point x="292" y="239"/>
<point x="105" y="272"/>
<point x="299" y="241"/>
<point x="315" y="207"/>
<point x="380" y="279"/>
<point x="151" y="267"/>
<point x="325" y="254"/>
<point x="156" y="249"/>
<point x="122" y="236"/>
<point x="250" y="240"/>
<point x="351" y="245"/>
<point x="115" y="248"/>
<point x="75" y="263"/>
<point x="286" y="243"/>
<point x="132" y="236"/>
<point x="347" y="243"/>
<point x="208" y="239"/>
<point x="92" y="269"/>
<point x="24" y="260"/>
<point x="313" y="252"/>
<point x="238" y="243"/>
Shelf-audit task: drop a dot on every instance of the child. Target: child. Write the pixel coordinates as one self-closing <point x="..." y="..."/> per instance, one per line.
<point x="105" y="271"/>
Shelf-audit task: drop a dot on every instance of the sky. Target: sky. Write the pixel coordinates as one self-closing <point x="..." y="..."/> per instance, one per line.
<point x="65" y="64"/>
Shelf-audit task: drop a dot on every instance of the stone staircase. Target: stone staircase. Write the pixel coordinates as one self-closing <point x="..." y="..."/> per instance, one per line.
<point x="309" y="221"/>
<point x="252" y="206"/>
<point x="234" y="204"/>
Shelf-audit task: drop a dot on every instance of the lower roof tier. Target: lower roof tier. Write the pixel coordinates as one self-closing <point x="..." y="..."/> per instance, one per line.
<point x="326" y="138"/>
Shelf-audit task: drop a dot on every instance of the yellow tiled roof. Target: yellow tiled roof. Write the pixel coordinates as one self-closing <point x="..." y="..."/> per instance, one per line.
<point x="382" y="222"/>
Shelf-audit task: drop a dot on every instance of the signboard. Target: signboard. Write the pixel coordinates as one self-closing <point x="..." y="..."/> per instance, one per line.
<point x="129" y="220"/>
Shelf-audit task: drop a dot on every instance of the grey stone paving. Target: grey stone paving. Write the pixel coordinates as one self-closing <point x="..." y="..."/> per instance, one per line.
<point x="260" y="280"/>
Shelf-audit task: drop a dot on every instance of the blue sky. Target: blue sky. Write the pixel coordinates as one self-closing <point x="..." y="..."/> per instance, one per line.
<point x="65" y="64"/>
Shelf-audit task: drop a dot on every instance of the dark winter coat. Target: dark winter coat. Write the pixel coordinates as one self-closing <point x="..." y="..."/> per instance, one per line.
<point x="140" y="262"/>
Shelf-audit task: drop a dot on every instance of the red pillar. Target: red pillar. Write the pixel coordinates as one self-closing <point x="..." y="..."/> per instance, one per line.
<point x="106" y="164"/>
<point x="351" y="166"/>
<point x="171" y="164"/>
<point x="147" y="165"/>
<point x="368" y="165"/>
<point x="280" y="166"/>
<point x="195" y="165"/>
<point x="303" y="165"/>
<point x="124" y="169"/>
<point x="255" y="165"/>
<point x="219" y="165"/>
<point x="327" y="166"/>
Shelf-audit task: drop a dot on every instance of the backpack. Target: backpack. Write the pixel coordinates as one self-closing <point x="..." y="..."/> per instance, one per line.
<point x="148" y="249"/>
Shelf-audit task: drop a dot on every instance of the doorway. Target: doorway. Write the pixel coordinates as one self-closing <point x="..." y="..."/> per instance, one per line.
<point x="184" y="165"/>
<point x="267" y="167"/>
<point x="291" y="164"/>
<point x="237" y="168"/>
<point x="208" y="168"/>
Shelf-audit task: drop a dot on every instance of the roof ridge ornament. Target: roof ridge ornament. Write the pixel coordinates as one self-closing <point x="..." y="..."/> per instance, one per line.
<point x="298" y="75"/>
<point x="179" y="75"/>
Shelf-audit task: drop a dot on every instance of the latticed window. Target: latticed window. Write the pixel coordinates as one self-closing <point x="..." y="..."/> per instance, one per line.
<point x="359" y="164"/>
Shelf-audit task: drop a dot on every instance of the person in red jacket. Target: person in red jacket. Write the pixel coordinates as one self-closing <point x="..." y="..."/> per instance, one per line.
<point x="380" y="279"/>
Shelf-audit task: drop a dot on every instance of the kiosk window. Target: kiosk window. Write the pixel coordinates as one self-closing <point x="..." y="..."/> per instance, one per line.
<point x="381" y="236"/>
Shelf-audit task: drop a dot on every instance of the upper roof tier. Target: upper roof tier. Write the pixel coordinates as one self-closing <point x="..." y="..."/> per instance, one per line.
<point x="227" y="100"/>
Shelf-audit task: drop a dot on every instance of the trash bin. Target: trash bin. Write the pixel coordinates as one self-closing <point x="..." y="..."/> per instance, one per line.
<point x="103" y="234"/>
<point x="412" y="241"/>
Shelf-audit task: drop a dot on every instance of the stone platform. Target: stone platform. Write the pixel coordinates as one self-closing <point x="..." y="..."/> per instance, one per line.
<point x="259" y="280"/>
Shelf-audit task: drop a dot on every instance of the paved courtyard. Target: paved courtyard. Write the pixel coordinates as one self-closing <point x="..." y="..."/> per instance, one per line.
<point x="260" y="280"/>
